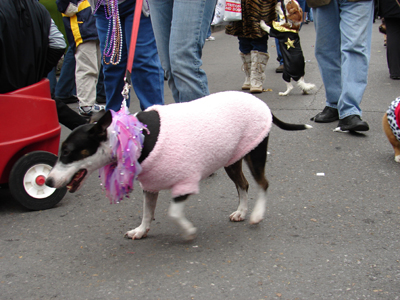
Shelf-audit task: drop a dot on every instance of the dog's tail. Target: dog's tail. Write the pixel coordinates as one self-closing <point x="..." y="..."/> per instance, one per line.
<point x="288" y="126"/>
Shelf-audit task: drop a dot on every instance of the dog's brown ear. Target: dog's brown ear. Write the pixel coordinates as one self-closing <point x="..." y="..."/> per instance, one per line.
<point x="99" y="130"/>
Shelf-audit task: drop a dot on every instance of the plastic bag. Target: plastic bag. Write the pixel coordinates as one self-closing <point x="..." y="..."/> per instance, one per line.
<point x="219" y="12"/>
<point x="233" y="10"/>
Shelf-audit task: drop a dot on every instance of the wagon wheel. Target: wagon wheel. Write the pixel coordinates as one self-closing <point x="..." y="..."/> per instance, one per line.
<point x="27" y="181"/>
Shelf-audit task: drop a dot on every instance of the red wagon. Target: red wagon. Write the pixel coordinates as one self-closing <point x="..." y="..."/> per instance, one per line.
<point x="29" y="143"/>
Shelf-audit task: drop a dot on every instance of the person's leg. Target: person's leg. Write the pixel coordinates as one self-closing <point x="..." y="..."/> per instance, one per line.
<point x="113" y="73"/>
<point x="259" y="60"/>
<point x="327" y="50"/>
<point x="161" y="18"/>
<point x="147" y="73"/>
<point x="187" y="39"/>
<point x="87" y="72"/>
<point x="65" y="87"/>
<point x="392" y="47"/>
<point x="51" y="76"/>
<point x="279" y="57"/>
<point x="100" y="91"/>
<point x="356" y="32"/>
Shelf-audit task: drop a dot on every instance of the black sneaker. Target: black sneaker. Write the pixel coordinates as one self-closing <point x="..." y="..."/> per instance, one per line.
<point x="353" y="123"/>
<point x="328" y="115"/>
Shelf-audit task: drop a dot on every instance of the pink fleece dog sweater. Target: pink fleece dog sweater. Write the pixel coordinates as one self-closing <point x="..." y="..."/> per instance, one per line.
<point x="199" y="137"/>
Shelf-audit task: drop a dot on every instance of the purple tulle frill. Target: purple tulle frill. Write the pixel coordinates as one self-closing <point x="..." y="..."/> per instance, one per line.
<point x="126" y="141"/>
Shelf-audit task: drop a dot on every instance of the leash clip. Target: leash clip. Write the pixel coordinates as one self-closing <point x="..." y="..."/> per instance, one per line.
<point x="127" y="86"/>
<point x="125" y="90"/>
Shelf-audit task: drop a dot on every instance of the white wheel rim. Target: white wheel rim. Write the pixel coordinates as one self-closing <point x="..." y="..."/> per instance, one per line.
<point x="31" y="177"/>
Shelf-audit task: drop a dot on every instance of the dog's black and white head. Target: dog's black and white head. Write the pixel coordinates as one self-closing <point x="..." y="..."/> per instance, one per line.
<point x="85" y="150"/>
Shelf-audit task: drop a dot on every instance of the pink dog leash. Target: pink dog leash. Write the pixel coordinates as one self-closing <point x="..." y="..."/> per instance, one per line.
<point x="132" y="47"/>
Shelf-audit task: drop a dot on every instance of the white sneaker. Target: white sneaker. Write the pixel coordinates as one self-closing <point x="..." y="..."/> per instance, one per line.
<point x="88" y="111"/>
<point x="210" y="38"/>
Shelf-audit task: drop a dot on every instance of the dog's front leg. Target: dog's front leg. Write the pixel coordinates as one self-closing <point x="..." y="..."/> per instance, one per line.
<point x="289" y="88"/>
<point x="176" y="212"/>
<point x="149" y="206"/>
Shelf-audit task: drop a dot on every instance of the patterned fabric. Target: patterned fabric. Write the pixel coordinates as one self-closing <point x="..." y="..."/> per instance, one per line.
<point x="253" y="11"/>
<point x="393" y="115"/>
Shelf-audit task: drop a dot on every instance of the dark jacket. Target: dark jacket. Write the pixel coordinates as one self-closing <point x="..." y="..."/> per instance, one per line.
<point x="388" y="9"/>
<point x="24" y="41"/>
<point x="253" y="11"/>
<point x="80" y="26"/>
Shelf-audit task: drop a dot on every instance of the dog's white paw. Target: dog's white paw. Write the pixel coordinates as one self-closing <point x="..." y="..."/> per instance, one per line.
<point x="190" y="234"/>
<point x="305" y="87"/>
<point x="397" y="158"/>
<point x="137" y="233"/>
<point x="264" y="26"/>
<point x="237" y="216"/>
<point x="283" y="93"/>
<point x="256" y="218"/>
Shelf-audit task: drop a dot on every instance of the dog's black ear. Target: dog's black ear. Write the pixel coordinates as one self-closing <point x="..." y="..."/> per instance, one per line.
<point x="97" y="116"/>
<point x="99" y="130"/>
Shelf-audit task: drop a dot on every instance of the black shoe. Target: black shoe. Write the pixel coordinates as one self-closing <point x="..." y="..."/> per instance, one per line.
<point x="101" y="100"/>
<point x="279" y="69"/>
<point x="328" y="115"/>
<point x="353" y="123"/>
<point x="69" y="100"/>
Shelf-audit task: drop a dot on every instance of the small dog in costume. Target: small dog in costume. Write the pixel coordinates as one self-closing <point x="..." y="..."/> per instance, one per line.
<point x="287" y="33"/>
<point x="173" y="147"/>
<point x="391" y="127"/>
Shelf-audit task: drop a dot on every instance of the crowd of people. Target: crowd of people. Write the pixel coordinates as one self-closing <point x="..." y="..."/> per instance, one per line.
<point x="169" y="46"/>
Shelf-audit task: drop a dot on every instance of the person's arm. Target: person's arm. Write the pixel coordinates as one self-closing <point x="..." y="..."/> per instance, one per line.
<point x="56" y="48"/>
<point x="67" y="7"/>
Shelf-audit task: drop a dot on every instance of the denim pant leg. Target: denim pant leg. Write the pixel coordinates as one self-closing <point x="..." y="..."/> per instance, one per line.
<point x="51" y="76"/>
<point x="342" y="49"/>
<point x="246" y="45"/>
<point x="356" y="38"/>
<point x="180" y="40"/>
<point x="113" y="73"/>
<point x="147" y="73"/>
<point x="278" y="52"/>
<point x="65" y="87"/>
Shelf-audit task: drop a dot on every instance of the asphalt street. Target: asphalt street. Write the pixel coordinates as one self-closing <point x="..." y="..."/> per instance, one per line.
<point x="331" y="230"/>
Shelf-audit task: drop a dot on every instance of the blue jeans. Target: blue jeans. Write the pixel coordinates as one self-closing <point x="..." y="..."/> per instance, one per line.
<point x="343" y="48"/>
<point x="278" y="52"/>
<point x="147" y="74"/>
<point x="65" y="87"/>
<point x="180" y="28"/>
<point x="246" y="45"/>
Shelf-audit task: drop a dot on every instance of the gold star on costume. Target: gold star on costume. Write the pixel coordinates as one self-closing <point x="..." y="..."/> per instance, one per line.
<point x="289" y="43"/>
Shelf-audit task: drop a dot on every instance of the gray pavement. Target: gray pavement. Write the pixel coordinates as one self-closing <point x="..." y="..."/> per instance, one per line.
<point x="324" y="237"/>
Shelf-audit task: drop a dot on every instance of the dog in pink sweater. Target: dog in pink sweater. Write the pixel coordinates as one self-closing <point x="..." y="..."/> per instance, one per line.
<point x="173" y="147"/>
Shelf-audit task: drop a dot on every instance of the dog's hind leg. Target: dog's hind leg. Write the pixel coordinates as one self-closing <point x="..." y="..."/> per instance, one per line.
<point x="256" y="161"/>
<point x="235" y="173"/>
<point x="289" y="88"/>
<point x="176" y="212"/>
<point x="149" y="207"/>
<point x="391" y="137"/>
<point x="305" y="87"/>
